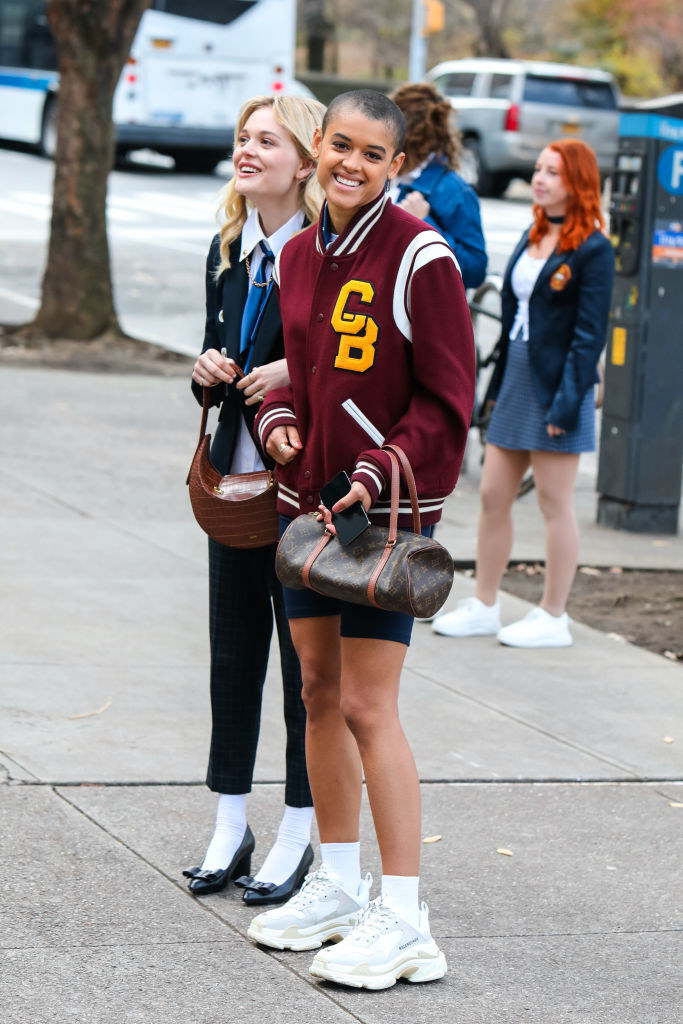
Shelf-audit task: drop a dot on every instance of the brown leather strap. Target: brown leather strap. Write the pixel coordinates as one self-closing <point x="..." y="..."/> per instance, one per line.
<point x="308" y="564"/>
<point x="396" y="455"/>
<point x="393" y="527"/>
<point x="410" y="481"/>
<point x="206" y="390"/>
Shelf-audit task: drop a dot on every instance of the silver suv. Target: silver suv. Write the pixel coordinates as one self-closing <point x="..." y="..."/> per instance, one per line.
<point x="508" y="110"/>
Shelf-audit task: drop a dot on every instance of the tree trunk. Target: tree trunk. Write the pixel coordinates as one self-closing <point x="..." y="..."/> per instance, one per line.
<point x="93" y="40"/>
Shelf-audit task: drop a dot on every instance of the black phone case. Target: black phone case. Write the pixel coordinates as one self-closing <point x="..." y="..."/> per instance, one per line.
<point x="350" y="523"/>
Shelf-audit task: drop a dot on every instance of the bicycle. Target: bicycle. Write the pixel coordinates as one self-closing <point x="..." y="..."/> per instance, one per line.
<point x="485" y="311"/>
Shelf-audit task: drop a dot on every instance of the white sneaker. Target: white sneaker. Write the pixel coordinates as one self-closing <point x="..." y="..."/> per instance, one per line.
<point x="538" y="628"/>
<point x="381" y="949"/>
<point x="321" y="910"/>
<point x="471" y="618"/>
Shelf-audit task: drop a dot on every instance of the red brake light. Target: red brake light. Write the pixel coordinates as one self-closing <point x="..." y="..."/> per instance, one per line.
<point x="512" y="119"/>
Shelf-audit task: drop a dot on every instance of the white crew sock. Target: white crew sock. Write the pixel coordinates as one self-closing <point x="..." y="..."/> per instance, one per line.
<point x="293" y="836"/>
<point x="231" y="823"/>
<point x="400" y="893"/>
<point x="344" y="860"/>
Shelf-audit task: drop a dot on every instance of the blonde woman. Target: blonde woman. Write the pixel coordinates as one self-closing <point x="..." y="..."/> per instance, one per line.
<point x="273" y="194"/>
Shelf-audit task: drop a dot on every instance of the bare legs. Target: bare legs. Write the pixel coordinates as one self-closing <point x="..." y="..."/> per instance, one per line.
<point x="351" y="697"/>
<point x="554" y="475"/>
<point x="500" y="479"/>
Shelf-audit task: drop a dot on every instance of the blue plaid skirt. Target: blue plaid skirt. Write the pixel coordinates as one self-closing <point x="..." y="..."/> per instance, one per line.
<point x="518" y="419"/>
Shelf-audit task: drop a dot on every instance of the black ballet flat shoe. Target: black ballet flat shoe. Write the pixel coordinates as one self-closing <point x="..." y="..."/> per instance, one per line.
<point x="204" y="882"/>
<point x="258" y="893"/>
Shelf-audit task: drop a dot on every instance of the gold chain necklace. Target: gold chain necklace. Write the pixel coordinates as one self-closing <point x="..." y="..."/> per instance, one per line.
<point x="258" y="284"/>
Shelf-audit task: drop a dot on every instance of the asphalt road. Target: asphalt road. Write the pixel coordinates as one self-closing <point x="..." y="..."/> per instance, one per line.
<point x="160" y="226"/>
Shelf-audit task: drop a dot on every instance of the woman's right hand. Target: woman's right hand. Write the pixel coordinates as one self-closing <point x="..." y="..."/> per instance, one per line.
<point x="213" y="368"/>
<point x="284" y="444"/>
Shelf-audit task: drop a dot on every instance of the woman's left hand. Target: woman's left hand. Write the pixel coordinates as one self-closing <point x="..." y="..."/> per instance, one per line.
<point x="416" y="204"/>
<point x="554" y="431"/>
<point x="258" y="382"/>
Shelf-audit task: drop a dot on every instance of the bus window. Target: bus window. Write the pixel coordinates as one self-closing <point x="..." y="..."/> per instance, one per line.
<point x="25" y="37"/>
<point x="222" y="12"/>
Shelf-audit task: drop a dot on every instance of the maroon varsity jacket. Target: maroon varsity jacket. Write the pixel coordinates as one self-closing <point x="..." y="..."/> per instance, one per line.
<point x="378" y="341"/>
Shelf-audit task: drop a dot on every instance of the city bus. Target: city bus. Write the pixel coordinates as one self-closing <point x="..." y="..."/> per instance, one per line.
<point x="192" y="65"/>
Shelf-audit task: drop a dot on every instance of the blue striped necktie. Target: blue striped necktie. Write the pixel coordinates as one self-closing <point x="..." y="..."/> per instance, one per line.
<point x="253" y="307"/>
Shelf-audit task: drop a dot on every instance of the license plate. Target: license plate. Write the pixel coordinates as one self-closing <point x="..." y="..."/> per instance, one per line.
<point x="571" y="128"/>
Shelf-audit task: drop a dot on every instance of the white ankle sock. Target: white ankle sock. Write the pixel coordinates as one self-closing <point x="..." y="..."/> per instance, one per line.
<point x="231" y="822"/>
<point x="344" y="860"/>
<point x="400" y="893"/>
<point x="293" y="836"/>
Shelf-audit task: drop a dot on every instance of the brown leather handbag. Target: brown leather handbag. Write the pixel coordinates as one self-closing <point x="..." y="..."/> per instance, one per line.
<point x="384" y="567"/>
<point x="237" y="510"/>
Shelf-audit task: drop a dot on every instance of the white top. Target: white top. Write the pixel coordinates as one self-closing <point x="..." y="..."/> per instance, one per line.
<point x="406" y="179"/>
<point x="246" y="458"/>
<point x="524" y="275"/>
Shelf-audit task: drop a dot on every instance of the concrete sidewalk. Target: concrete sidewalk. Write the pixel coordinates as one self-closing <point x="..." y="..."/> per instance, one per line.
<point x="559" y="756"/>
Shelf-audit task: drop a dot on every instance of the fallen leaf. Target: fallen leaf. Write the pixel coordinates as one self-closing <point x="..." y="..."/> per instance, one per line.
<point x="660" y="543"/>
<point x="675" y="803"/>
<point x="505" y="853"/>
<point x="671" y="655"/>
<point x="87" y="714"/>
<point x="669" y="739"/>
<point x="431" y="839"/>
<point x="588" y="570"/>
<point x="616" y="569"/>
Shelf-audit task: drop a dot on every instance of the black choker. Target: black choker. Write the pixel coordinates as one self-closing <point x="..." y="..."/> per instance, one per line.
<point x="555" y="220"/>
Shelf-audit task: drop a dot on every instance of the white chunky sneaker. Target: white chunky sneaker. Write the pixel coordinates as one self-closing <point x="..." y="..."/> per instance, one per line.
<point x="471" y="618"/>
<point x="321" y="910"/>
<point x="538" y="628"/>
<point x="381" y="949"/>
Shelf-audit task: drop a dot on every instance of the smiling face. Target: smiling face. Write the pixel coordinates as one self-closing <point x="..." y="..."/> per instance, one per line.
<point x="268" y="168"/>
<point x="355" y="158"/>
<point x="547" y="184"/>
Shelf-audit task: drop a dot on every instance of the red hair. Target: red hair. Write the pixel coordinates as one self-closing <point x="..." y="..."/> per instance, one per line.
<point x="581" y="177"/>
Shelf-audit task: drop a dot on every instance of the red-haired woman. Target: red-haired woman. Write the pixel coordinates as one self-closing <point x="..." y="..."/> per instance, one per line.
<point x="556" y="298"/>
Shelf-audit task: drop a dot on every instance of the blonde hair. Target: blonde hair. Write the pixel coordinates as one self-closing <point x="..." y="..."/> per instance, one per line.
<point x="299" y="117"/>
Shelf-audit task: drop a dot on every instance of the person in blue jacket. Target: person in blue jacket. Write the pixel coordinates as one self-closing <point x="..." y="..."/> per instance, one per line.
<point x="555" y="306"/>
<point x="430" y="187"/>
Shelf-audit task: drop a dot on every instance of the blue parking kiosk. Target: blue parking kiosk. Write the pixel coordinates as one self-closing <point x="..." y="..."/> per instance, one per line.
<point x="641" y="442"/>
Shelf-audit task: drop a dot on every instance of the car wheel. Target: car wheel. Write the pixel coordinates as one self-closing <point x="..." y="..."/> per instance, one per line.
<point x="48" y="130"/>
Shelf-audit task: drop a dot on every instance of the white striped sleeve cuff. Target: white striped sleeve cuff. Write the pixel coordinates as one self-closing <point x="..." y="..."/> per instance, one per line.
<point x="371" y="476"/>
<point x="275" y="416"/>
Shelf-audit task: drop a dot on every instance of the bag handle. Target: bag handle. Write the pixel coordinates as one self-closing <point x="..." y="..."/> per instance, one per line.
<point x="397" y="455"/>
<point x="206" y="391"/>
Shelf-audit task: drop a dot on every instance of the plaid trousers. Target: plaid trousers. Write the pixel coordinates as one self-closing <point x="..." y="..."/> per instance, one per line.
<point x="244" y="595"/>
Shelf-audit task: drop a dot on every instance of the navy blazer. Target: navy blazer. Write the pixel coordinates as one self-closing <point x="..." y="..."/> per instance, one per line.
<point x="454" y="212"/>
<point x="225" y="300"/>
<point x="568" y="313"/>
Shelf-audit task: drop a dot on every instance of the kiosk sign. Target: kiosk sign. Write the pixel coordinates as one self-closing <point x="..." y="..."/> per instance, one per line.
<point x="670" y="170"/>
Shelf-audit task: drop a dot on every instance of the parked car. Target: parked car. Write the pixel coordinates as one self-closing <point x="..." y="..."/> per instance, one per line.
<point x="508" y="110"/>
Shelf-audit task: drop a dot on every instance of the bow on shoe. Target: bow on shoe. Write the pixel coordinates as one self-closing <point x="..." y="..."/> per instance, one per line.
<point x="263" y="888"/>
<point x="205" y="875"/>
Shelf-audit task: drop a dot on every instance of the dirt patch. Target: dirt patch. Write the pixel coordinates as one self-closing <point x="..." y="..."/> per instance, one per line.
<point x="643" y="607"/>
<point x="110" y="353"/>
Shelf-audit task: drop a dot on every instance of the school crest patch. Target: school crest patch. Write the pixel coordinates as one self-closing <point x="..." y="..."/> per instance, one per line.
<point x="561" y="277"/>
